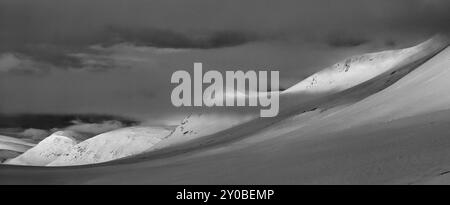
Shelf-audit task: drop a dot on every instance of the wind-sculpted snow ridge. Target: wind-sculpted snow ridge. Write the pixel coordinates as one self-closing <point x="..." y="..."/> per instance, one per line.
<point x="424" y="90"/>
<point x="358" y="69"/>
<point x="111" y="145"/>
<point x="348" y="84"/>
<point x="350" y="81"/>
<point x="202" y="124"/>
<point x="47" y="150"/>
<point x="387" y="66"/>
<point x="63" y="148"/>
<point x="392" y="128"/>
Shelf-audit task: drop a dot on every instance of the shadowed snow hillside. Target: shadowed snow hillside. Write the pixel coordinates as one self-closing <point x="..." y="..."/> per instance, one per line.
<point x="357" y="78"/>
<point x="199" y="125"/>
<point x="375" y="119"/>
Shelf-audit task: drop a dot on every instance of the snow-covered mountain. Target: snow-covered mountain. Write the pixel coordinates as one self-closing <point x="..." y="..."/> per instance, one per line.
<point x="47" y="150"/>
<point x="112" y="145"/>
<point x="375" y="118"/>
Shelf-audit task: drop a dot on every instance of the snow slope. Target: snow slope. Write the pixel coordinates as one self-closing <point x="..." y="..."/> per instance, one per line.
<point x="200" y="125"/>
<point x="423" y="90"/>
<point x="111" y="145"/>
<point x="47" y="150"/>
<point x="358" y="69"/>
<point x="384" y="130"/>
<point x="377" y="70"/>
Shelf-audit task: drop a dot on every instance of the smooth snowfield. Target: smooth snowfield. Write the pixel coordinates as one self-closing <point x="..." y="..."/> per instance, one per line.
<point x="388" y="128"/>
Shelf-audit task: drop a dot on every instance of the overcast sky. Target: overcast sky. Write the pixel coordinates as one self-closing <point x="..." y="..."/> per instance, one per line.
<point x="115" y="56"/>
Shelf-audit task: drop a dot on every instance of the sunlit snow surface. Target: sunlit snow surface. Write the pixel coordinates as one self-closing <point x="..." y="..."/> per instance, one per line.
<point x="371" y="119"/>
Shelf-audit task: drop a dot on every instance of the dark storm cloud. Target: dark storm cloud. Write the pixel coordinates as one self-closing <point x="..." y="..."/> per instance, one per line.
<point x="39" y="59"/>
<point x="345" y="40"/>
<point x="51" y="54"/>
<point x="48" y="31"/>
<point x="61" y="55"/>
<point x="299" y="37"/>
<point x="80" y="22"/>
<point x="165" y="38"/>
